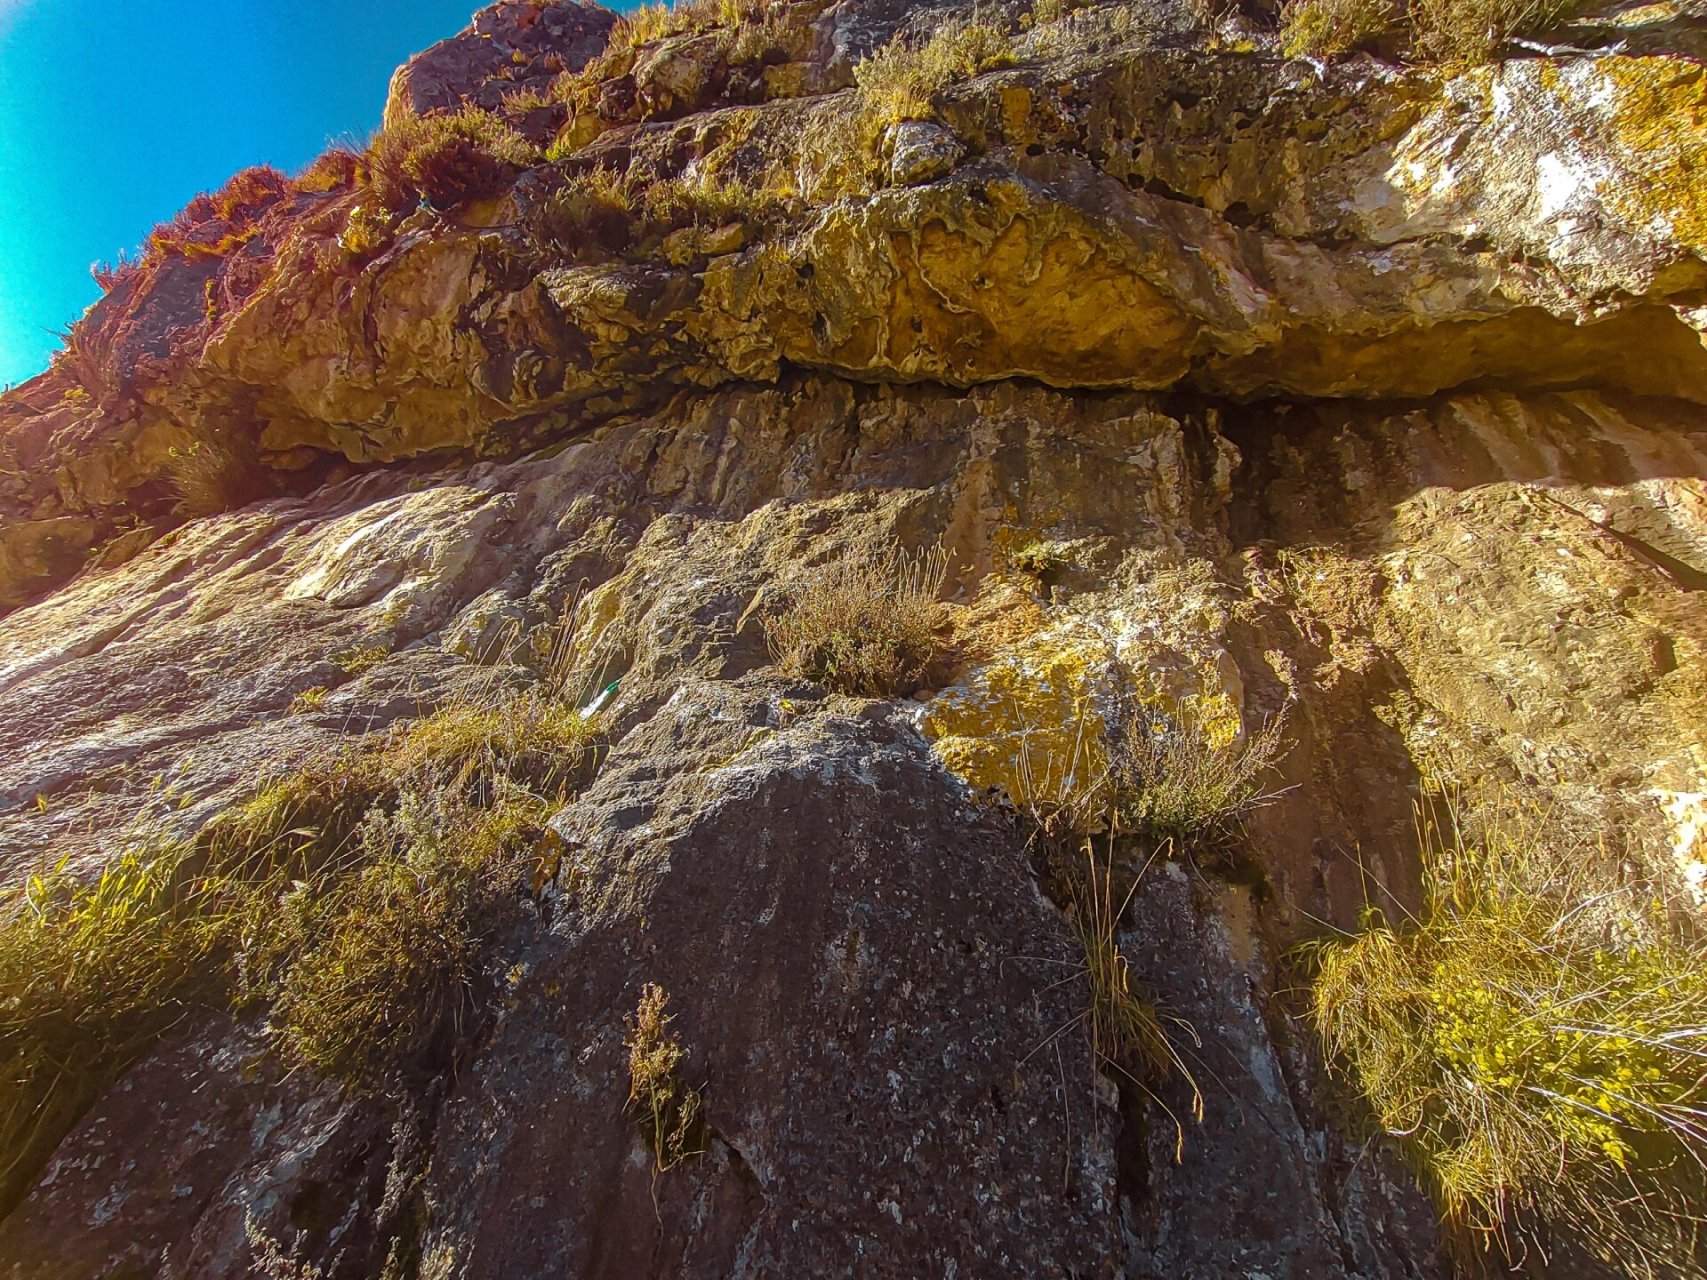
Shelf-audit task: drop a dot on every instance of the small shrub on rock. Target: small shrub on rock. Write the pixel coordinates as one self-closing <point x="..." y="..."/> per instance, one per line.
<point x="358" y="895"/>
<point x="384" y="967"/>
<point x="867" y="624"/>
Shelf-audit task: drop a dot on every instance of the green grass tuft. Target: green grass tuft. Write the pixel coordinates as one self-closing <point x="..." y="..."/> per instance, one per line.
<point x="383" y="969"/>
<point x="91" y="974"/>
<point x="357" y="896"/>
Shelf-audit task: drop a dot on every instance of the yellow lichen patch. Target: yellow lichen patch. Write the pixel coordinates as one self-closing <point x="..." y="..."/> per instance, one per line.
<point x="1031" y="721"/>
<point x="1017" y="122"/>
<point x="1659" y="116"/>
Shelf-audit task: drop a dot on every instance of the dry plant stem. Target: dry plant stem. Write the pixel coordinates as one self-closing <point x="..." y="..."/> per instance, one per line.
<point x="668" y="1111"/>
<point x="1125" y="1026"/>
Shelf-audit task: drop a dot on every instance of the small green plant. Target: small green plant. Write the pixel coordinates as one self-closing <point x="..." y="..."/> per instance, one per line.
<point x="367" y="230"/>
<point x="309" y="700"/>
<point x="1038" y="557"/>
<point x="865" y="624"/>
<point x="669" y="1113"/>
<point x="1536" y="1039"/>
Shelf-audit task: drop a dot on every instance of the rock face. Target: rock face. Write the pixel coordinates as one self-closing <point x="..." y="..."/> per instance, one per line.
<point x="1363" y="395"/>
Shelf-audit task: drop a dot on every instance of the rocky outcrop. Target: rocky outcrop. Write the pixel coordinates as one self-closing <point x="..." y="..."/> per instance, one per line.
<point x="1116" y="211"/>
<point x="1362" y="396"/>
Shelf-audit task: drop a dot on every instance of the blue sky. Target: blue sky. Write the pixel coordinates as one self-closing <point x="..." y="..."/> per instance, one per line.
<point x="113" y="113"/>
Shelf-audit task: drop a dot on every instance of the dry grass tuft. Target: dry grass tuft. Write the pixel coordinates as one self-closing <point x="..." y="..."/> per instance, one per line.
<point x="902" y="80"/>
<point x="1330" y="28"/>
<point x="358" y="895"/>
<point x="447" y="159"/>
<point x="866" y="624"/>
<point x="361" y="660"/>
<point x="669" y="1113"/>
<point x="653" y="22"/>
<point x="1124" y="1023"/>
<point x="214" y="473"/>
<point x="474" y="748"/>
<point x="1171" y="781"/>
<point x="1475" y="31"/>
<point x="1454" y="32"/>
<point x="1536" y="1039"/>
<point x="383" y="968"/>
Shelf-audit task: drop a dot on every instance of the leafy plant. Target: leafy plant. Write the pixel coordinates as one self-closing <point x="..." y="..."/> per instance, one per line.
<point x="865" y="624"/>
<point x="1536" y="1040"/>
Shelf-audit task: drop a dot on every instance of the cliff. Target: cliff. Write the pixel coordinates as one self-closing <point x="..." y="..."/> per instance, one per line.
<point x="1337" y="414"/>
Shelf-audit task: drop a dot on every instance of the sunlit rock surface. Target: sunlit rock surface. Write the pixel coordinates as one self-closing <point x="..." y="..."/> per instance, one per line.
<point x="1364" y="397"/>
